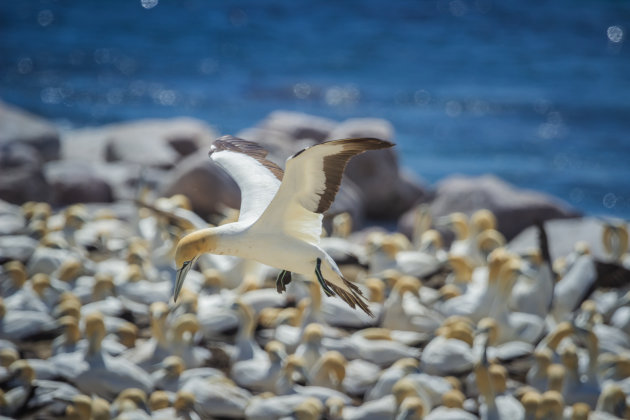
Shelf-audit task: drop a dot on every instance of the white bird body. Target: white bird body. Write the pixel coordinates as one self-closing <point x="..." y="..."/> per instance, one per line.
<point x="572" y="287"/>
<point x="280" y="219"/>
<point x="444" y="413"/>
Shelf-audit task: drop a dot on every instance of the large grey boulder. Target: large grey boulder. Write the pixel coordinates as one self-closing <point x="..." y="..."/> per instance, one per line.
<point x="297" y="125"/>
<point x="21" y="176"/>
<point x="76" y="182"/>
<point x="386" y="190"/>
<point x="17" y="125"/>
<point x="208" y="187"/>
<point x="514" y="208"/>
<point x="152" y="143"/>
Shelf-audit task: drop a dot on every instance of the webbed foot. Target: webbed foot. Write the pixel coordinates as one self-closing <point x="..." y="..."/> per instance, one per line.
<point x="282" y="280"/>
<point x="320" y="278"/>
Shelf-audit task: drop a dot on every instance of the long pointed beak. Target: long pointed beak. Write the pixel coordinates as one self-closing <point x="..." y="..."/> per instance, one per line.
<point x="179" y="281"/>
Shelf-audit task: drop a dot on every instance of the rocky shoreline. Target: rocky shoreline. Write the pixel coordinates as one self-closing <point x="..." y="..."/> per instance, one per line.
<point x="169" y="156"/>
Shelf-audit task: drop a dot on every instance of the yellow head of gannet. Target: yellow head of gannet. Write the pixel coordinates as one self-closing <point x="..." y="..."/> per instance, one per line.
<point x="158" y="400"/>
<point x="280" y="219"/>
<point x="552" y="405"/>
<point x="80" y="408"/>
<point x="453" y="398"/>
<point x="531" y="401"/>
<point x="612" y="400"/>
<point x="127" y="334"/>
<point x="556" y="373"/>
<point x="581" y="411"/>
<point x="94" y="331"/>
<point x="16" y="272"/>
<point x="184" y="400"/>
<point x="458" y="222"/>
<point x="7" y="356"/>
<point x="309" y="409"/>
<point x="100" y="409"/>
<point x="615" y="239"/>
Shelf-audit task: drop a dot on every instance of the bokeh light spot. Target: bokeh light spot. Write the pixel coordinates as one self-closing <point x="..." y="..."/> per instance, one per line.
<point x="25" y="65"/>
<point x="149" y="4"/>
<point x="302" y="90"/>
<point x="609" y="200"/>
<point x="45" y="17"/>
<point x="615" y="34"/>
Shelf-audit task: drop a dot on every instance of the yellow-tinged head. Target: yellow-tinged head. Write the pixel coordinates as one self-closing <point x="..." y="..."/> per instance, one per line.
<point x="187" y="251"/>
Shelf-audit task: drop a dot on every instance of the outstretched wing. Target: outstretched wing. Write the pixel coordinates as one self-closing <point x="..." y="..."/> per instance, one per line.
<point x="257" y="177"/>
<point x="311" y="181"/>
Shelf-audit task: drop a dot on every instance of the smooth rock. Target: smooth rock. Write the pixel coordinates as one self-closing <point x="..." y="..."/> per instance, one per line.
<point x="280" y="145"/>
<point x="386" y="193"/>
<point x="152" y="142"/>
<point x="76" y="182"/>
<point x="22" y="177"/>
<point x="298" y="125"/>
<point x="208" y="187"/>
<point x="515" y="209"/>
<point x="562" y="235"/>
<point x="363" y="127"/>
<point x="17" y="125"/>
<point x="16" y="247"/>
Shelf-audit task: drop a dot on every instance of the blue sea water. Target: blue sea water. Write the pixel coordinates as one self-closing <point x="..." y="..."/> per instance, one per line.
<point x="537" y="93"/>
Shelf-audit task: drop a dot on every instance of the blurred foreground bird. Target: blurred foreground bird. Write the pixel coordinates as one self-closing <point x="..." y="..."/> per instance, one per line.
<point x="280" y="219"/>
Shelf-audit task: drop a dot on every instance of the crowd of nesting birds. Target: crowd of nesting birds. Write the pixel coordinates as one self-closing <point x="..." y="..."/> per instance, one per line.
<point x="88" y="328"/>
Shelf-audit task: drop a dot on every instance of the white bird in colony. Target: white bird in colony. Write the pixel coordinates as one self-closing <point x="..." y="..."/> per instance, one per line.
<point x="467" y="232"/>
<point x="150" y="353"/>
<point x="480" y="294"/>
<point x="577" y="387"/>
<point x="388" y="407"/>
<point x="29" y="394"/>
<point x="311" y="346"/>
<point x="246" y="347"/>
<point x="280" y="220"/>
<point x="496" y="403"/>
<point x="574" y="286"/>
<point x="259" y="374"/>
<point x="533" y="290"/>
<point x="329" y="371"/>
<point x="97" y="372"/>
<point x="218" y="397"/>
<point x="449" y="353"/>
<point x="611" y="404"/>
<point x="183" y="331"/>
<point x="390" y="376"/>
<point x="18" y="325"/>
<point x="182" y="409"/>
<point x="172" y="374"/>
<point x="513" y="325"/>
<point x="451" y="408"/>
<point x="361" y="376"/>
<point x="403" y="311"/>
<point x="615" y="241"/>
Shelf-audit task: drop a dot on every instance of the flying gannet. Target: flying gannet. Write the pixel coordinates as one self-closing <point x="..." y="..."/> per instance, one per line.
<point x="280" y="220"/>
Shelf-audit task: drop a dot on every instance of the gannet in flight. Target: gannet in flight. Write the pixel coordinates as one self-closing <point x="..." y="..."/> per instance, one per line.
<point x="280" y="219"/>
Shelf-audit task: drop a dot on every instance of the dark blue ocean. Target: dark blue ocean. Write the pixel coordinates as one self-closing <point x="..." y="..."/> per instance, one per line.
<point x="537" y="93"/>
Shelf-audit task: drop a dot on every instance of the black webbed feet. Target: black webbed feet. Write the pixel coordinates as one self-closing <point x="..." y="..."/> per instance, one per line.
<point x="320" y="278"/>
<point x="282" y="280"/>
